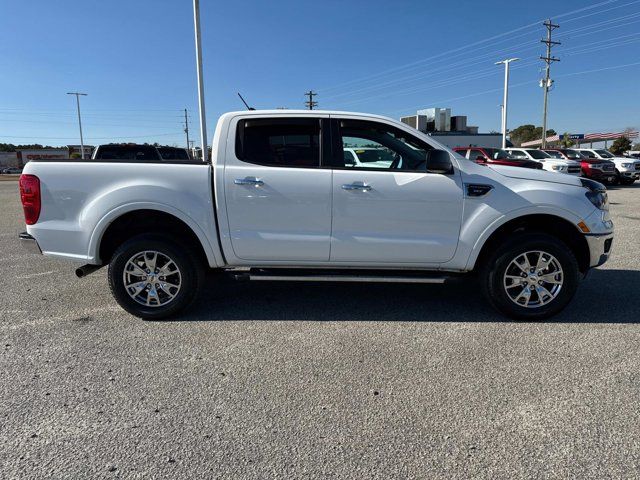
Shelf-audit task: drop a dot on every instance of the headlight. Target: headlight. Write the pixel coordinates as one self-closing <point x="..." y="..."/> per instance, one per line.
<point x="627" y="165"/>
<point x="596" y="193"/>
<point x="557" y="167"/>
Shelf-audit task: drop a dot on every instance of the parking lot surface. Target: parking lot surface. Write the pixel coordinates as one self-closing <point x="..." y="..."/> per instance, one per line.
<point x="289" y="380"/>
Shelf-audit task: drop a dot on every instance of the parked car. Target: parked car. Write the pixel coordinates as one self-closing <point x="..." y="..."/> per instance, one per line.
<point x="596" y="169"/>
<point x="279" y="202"/>
<point x="369" y="157"/>
<point x="548" y="163"/>
<point x="627" y="169"/>
<point x="149" y="153"/>
<point x="495" y="156"/>
<point x="11" y="170"/>
<point x="173" y="153"/>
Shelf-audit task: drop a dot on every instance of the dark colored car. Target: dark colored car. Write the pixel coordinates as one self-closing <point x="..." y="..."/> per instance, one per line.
<point x="495" y="156"/>
<point x="594" y="168"/>
<point x="173" y="153"/>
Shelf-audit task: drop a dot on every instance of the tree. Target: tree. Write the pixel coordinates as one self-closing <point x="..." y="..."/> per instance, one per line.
<point x="526" y="133"/>
<point x="566" y="142"/>
<point x="620" y="145"/>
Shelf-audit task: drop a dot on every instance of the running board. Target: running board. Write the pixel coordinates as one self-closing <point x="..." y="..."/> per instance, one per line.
<point x="297" y="275"/>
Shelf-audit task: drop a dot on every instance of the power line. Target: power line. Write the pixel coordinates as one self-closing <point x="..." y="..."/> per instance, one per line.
<point x="447" y="54"/>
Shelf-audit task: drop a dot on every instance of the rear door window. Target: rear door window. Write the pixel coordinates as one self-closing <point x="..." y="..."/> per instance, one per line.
<point x="290" y="142"/>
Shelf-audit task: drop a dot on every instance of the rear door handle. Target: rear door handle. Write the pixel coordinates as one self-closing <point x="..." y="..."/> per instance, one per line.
<point x="256" y="182"/>
<point x="361" y="186"/>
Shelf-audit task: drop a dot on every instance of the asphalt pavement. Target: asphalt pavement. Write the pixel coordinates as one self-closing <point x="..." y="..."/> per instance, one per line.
<point x="289" y="380"/>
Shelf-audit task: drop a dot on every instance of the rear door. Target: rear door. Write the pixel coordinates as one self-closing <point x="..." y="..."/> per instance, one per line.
<point x="387" y="208"/>
<point x="278" y="197"/>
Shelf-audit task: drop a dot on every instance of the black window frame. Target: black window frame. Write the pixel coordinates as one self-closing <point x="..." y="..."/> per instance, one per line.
<point x="322" y="142"/>
<point x="337" y="160"/>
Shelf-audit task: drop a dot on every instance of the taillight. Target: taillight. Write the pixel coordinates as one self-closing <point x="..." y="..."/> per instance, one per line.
<point x="30" y="196"/>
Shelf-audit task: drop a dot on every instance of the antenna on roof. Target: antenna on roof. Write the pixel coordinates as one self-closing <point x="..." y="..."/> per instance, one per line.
<point x="245" y="103"/>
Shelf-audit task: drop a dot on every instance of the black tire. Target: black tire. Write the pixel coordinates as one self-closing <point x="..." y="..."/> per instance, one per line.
<point x="493" y="282"/>
<point x="190" y="276"/>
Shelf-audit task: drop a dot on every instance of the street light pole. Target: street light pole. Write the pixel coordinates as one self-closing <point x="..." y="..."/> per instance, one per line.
<point x="203" y="122"/>
<point x="77" y="94"/>
<point x="506" y="63"/>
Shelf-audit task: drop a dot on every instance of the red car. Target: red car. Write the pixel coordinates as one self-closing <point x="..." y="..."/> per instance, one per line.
<point x="595" y="168"/>
<point x="495" y="156"/>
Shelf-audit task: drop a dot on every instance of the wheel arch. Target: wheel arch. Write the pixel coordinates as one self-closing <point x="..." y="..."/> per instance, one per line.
<point x="550" y="224"/>
<point x="130" y="220"/>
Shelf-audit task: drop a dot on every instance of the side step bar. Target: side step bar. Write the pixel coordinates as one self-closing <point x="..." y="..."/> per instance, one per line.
<point x="298" y="275"/>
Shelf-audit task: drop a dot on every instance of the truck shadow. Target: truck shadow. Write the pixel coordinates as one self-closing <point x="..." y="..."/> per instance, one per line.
<point x="605" y="297"/>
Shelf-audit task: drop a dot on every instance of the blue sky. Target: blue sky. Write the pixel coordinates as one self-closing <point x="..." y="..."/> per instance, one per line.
<point x="136" y="61"/>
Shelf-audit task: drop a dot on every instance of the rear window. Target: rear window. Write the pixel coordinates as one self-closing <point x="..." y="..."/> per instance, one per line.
<point x="538" y="154"/>
<point x="127" y="152"/>
<point x="554" y="153"/>
<point x="291" y="142"/>
<point x="171" y="153"/>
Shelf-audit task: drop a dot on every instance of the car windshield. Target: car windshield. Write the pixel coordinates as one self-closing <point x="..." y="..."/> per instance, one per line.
<point x="538" y="154"/>
<point x="573" y="155"/>
<point x="497" y="154"/>
<point x="604" y="153"/>
<point x="374" y="155"/>
<point x="171" y="153"/>
<point x="554" y="153"/>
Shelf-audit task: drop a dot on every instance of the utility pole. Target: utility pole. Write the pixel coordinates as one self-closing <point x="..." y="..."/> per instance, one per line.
<point x="311" y="103"/>
<point x="77" y="94"/>
<point x="203" y="121"/>
<point x="547" y="82"/>
<point x="186" y="126"/>
<point x="506" y="62"/>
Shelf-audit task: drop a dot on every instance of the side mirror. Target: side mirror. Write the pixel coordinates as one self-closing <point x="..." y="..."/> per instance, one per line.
<point x="438" y="161"/>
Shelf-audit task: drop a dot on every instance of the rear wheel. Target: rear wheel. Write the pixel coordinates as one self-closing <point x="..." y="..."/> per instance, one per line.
<point x="153" y="277"/>
<point x="532" y="277"/>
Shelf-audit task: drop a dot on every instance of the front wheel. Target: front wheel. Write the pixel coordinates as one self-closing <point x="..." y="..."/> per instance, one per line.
<point x="532" y="277"/>
<point x="152" y="277"/>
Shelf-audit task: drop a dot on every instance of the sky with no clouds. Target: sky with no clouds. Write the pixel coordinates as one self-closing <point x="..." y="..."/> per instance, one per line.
<point x="136" y="61"/>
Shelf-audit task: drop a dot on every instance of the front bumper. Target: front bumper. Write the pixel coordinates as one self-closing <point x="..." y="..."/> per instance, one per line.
<point x="635" y="174"/>
<point x="600" y="175"/>
<point x="29" y="243"/>
<point x="599" y="248"/>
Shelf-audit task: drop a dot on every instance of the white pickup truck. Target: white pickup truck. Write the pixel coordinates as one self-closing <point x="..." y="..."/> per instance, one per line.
<point x="279" y="202"/>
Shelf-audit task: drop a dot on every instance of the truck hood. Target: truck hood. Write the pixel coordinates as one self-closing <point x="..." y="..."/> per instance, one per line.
<point x="540" y="175"/>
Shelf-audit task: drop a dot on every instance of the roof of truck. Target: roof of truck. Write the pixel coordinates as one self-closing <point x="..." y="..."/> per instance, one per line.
<point x="282" y="111"/>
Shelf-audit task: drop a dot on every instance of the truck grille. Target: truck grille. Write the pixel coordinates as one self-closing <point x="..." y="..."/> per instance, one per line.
<point x="637" y="166"/>
<point x="574" y="169"/>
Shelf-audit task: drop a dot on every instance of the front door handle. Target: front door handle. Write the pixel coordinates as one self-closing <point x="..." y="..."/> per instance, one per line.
<point x="360" y="186"/>
<point x="256" y="182"/>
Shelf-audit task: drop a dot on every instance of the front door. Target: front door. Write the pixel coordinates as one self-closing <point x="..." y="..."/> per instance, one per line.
<point x="278" y="198"/>
<point x="386" y="207"/>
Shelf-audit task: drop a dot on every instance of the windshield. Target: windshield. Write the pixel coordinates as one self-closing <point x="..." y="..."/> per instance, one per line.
<point x="573" y="155"/>
<point x="375" y="155"/>
<point x="497" y="154"/>
<point x="538" y="154"/>
<point x="554" y="153"/>
<point x="604" y="153"/>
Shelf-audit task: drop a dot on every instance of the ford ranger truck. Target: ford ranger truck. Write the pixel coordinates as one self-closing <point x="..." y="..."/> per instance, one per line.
<point x="279" y="202"/>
